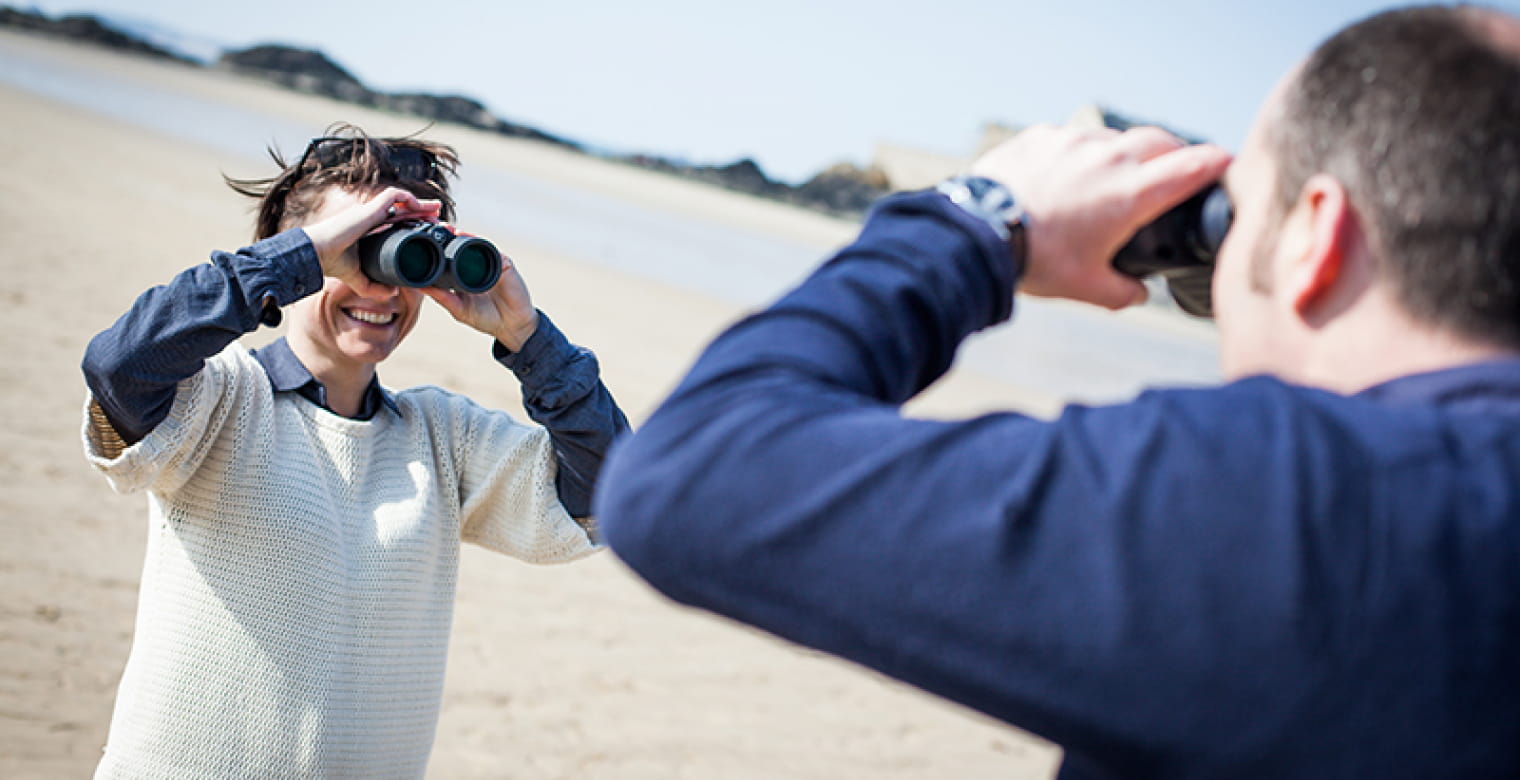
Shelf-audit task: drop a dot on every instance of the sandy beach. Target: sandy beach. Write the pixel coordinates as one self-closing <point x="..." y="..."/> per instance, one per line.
<point x="570" y="671"/>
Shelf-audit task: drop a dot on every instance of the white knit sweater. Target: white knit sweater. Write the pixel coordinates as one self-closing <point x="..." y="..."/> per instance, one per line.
<point x="299" y="582"/>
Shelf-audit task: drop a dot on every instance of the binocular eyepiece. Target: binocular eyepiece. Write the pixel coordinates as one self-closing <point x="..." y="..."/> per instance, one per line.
<point x="1180" y="247"/>
<point x="415" y="253"/>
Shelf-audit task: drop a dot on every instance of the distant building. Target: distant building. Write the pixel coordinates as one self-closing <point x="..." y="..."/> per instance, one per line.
<point x="907" y="168"/>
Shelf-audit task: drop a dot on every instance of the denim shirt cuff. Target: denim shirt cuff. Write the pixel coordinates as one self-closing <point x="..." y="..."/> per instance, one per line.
<point x="278" y="271"/>
<point x="547" y="365"/>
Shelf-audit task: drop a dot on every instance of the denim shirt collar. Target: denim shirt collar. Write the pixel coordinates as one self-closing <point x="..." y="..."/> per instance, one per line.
<point x="1492" y="385"/>
<point x="286" y="374"/>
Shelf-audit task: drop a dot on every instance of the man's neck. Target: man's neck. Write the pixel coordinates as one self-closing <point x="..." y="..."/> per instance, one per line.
<point x="1351" y="365"/>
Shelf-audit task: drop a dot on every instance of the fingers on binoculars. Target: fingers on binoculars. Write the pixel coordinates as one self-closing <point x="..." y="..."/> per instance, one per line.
<point x="1146" y="143"/>
<point x="401" y="201"/>
<point x="1169" y="178"/>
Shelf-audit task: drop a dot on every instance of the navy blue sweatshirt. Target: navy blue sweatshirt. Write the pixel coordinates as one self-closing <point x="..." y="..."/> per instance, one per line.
<point x="1256" y="580"/>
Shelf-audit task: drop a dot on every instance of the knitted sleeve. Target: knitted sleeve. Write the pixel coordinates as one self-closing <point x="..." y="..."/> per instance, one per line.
<point x="204" y="404"/>
<point x="508" y="499"/>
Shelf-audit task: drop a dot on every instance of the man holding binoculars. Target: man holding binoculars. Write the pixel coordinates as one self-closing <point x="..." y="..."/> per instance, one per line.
<point x="1312" y="571"/>
<point x="298" y="588"/>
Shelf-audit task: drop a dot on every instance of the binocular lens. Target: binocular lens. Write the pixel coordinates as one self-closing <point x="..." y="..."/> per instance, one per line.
<point x="476" y="267"/>
<point x="470" y="265"/>
<point x="400" y="257"/>
<point x="417" y="262"/>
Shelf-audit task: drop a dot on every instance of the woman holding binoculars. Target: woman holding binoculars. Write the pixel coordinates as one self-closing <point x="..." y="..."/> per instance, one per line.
<point x="299" y="582"/>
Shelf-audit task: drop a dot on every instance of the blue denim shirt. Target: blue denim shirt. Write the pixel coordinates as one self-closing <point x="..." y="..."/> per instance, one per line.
<point x="1255" y="580"/>
<point x="133" y="367"/>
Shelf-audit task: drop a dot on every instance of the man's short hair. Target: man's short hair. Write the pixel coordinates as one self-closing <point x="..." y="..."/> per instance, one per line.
<point x="1417" y="113"/>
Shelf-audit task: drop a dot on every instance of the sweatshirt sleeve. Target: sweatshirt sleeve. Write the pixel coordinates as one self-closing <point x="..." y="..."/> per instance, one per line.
<point x="203" y="406"/>
<point x="506" y="474"/>
<point x="1070" y="576"/>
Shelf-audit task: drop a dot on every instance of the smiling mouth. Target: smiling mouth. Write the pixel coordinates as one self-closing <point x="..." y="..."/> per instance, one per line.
<point x="370" y="318"/>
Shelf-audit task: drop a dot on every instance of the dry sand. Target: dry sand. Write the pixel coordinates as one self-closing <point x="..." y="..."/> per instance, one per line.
<point x="571" y="671"/>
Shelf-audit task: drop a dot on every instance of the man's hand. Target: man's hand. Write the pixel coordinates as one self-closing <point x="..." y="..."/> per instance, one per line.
<point x="505" y="311"/>
<point x="1085" y="193"/>
<point x="333" y="236"/>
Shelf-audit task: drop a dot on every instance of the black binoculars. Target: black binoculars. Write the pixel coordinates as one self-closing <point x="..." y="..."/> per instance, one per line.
<point x="1180" y="247"/>
<point x="415" y="253"/>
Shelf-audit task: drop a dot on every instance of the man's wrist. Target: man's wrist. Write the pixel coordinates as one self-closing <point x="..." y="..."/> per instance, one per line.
<point x="987" y="200"/>
<point x="992" y="203"/>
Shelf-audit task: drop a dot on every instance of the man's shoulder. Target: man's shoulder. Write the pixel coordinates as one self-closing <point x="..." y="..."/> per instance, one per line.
<point x="1251" y="402"/>
<point x="1259" y="415"/>
<point x="1245" y="401"/>
<point x="1245" y="423"/>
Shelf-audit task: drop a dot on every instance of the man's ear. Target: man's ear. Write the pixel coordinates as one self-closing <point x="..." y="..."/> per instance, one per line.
<point x="1331" y="231"/>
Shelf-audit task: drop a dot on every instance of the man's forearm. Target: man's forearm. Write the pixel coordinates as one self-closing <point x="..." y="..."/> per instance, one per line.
<point x="792" y="416"/>
<point x="884" y="317"/>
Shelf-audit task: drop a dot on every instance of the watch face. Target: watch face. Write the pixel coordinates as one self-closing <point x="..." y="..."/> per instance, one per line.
<point x="980" y="186"/>
<point x="986" y="200"/>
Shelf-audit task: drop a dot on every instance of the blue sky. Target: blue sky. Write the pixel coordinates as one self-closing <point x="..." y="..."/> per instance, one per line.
<point x="795" y="85"/>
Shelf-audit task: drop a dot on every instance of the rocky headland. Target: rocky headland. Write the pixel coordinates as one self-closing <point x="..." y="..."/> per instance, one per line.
<point x="89" y="29"/>
<point x="842" y="190"/>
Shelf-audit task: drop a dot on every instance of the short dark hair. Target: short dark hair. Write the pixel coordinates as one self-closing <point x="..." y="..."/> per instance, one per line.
<point x="1417" y="113"/>
<point x="289" y="197"/>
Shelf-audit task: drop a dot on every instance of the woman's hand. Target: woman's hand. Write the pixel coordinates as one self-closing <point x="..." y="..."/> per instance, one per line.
<point x="505" y="311"/>
<point x="335" y="232"/>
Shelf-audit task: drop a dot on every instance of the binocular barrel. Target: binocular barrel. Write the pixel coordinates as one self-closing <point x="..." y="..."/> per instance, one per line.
<point x="426" y="254"/>
<point x="1180" y="247"/>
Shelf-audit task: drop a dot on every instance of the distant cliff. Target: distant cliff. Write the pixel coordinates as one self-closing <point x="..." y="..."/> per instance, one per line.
<point x="85" y="28"/>
<point x="842" y="190"/>
<point x="311" y="71"/>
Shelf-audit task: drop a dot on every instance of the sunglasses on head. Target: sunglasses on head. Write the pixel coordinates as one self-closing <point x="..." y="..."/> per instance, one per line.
<point x="407" y="162"/>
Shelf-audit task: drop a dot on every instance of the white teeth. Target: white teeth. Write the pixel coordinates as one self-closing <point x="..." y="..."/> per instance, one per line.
<point x="370" y="317"/>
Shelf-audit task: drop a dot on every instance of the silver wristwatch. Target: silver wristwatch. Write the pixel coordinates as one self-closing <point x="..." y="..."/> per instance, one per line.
<point x="986" y="200"/>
